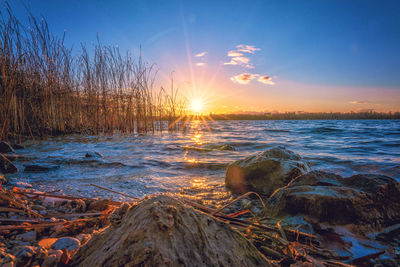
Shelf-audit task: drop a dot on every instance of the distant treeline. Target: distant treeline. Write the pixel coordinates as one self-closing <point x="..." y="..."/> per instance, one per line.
<point x="310" y="116"/>
<point x="45" y="89"/>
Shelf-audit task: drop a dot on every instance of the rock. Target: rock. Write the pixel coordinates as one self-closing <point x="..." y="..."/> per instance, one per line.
<point x="24" y="255"/>
<point x="69" y="243"/>
<point x="47" y="242"/>
<point x="99" y="205"/>
<point x="162" y="231"/>
<point x="29" y="236"/>
<point x="17" y="146"/>
<point x="6" y="166"/>
<point x="50" y="261"/>
<point x="40" y="168"/>
<point x="265" y="172"/>
<point x="5" y="147"/>
<point x="369" y="201"/>
<point x="93" y="155"/>
<point x="6" y="257"/>
<point x="84" y="238"/>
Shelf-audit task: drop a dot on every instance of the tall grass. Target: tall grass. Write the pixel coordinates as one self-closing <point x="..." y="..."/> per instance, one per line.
<point x="45" y="89"/>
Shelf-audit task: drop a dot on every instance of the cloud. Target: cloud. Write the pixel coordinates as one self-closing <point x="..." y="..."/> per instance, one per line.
<point x="265" y="79"/>
<point x="200" y="64"/>
<point x="234" y="54"/>
<point x="241" y="61"/>
<point x="247" y="48"/>
<point x="202" y="54"/>
<point x="359" y="102"/>
<point x="243" y="78"/>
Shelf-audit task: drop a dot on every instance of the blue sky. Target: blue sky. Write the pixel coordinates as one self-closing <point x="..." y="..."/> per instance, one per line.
<point x="344" y="55"/>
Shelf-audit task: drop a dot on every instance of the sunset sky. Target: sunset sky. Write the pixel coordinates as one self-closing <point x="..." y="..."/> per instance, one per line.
<point x="250" y="55"/>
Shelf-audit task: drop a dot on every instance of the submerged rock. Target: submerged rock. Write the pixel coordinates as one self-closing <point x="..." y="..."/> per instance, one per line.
<point x="265" y="172"/>
<point x="162" y="231"/>
<point x="40" y="168"/>
<point x="5" y="147"/>
<point x="369" y="201"/>
<point x="7" y="166"/>
<point x="93" y="155"/>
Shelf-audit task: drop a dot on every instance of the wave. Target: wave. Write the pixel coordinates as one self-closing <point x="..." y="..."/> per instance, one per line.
<point x="277" y="130"/>
<point x="326" y="130"/>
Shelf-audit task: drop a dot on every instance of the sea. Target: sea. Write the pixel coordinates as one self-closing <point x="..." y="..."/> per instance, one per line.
<point x="192" y="162"/>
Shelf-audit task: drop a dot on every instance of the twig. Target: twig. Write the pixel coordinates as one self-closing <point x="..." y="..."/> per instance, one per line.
<point x="122" y="194"/>
<point x="237" y="199"/>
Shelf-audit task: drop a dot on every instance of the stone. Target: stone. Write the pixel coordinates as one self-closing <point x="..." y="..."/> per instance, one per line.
<point x="40" y="168"/>
<point x="93" y="155"/>
<point x="264" y="172"/>
<point x="29" y="236"/>
<point x="47" y="242"/>
<point x="24" y="255"/>
<point x="17" y="146"/>
<point x="7" y="166"/>
<point x="5" y="147"/>
<point x="162" y="231"/>
<point x="367" y="200"/>
<point x="50" y="261"/>
<point x="69" y="243"/>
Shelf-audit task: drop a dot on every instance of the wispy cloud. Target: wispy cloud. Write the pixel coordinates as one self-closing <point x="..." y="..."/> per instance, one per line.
<point x="246" y="78"/>
<point x="202" y="54"/>
<point x="265" y="79"/>
<point x="243" y="78"/>
<point x="238" y="58"/>
<point x="359" y="102"/>
<point x="247" y="48"/>
<point x="241" y="61"/>
<point x="200" y="64"/>
<point x="234" y="54"/>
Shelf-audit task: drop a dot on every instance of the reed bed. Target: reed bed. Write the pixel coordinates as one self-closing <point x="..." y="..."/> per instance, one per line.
<point x="46" y="89"/>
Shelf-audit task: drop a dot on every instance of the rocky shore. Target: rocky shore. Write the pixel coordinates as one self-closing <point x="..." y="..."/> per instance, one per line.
<point x="285" y="214"/>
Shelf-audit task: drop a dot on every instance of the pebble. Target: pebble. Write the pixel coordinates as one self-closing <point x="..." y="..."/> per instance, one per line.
<point x="29" y="236"/>
<point x="69" y="243"/>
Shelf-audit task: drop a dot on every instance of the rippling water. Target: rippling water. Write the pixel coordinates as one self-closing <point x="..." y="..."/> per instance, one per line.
<point x="193" y="163"/>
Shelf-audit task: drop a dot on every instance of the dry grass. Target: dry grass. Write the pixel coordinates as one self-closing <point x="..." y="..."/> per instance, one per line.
<point x="47" y="90"/>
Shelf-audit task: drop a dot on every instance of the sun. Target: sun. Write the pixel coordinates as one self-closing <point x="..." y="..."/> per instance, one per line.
<point x="196" y="105"/>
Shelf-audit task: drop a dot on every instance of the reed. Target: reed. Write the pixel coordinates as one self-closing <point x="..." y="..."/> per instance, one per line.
<point x="45" y="89"/>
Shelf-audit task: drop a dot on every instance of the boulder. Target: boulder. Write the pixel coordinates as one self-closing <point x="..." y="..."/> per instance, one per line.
<point x="40" y="168"/>
<point x="71" y="244"/>
<point x="367" y="200"/>
<point x="264" y="172"/>
<point x="5" y="147"/>
<point x="161" y="231"/>
<point x="7" y="166"/>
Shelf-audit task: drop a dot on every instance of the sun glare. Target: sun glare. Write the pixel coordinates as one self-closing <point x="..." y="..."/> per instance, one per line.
<point x="197" y="105"/>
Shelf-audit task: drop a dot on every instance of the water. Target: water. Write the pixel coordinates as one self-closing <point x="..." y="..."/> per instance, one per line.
<point x="192" y="163"/>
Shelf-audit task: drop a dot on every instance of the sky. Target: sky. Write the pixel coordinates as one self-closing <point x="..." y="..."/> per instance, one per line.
<point x="263" y="56"/>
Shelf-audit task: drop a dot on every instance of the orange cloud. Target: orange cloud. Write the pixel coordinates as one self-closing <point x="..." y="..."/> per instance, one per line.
<point x="359" y="102"/>
<point x="234" y="54"/>
<point x="243" y="78"/>
<point x="265" y="79"/>
<point x="202" y="54"/>
<point x="241" y="61"/>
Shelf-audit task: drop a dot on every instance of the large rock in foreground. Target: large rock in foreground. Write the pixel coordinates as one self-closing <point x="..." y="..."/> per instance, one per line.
<point x="369" y="201"/>
<point x="161" y="231"/>
<point x="265" y="172"/>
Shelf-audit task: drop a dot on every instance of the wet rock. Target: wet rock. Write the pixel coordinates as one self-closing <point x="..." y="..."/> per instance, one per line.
<point x="93" y="155"/>
<point x="69" y="243"/>
<point x="5" y="257"/>
<point x="50" y="261"/>
<point x="24" y="255"/>
<point x="6" y="166"/>
<point x="369" y="201"/>
<point x="40" y="168"/>
<point x="5" y="147"/>
<point x="17" y="146"/>
<point x="265" y="172"/>
<point x="161" y="231"/>
<point x="29" y="236"/>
